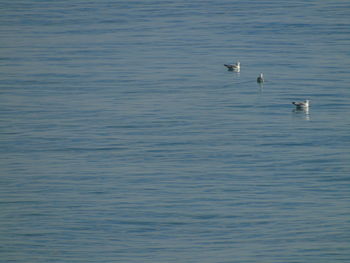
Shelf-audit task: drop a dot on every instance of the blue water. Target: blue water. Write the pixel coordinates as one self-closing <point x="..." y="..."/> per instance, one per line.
<point x="125" y="139"/>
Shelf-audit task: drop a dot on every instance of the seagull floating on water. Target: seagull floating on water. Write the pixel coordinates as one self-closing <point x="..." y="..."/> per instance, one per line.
<point x="260" y="79"/>
<point x="302" y="105"/>
<point x="232" y="67"/>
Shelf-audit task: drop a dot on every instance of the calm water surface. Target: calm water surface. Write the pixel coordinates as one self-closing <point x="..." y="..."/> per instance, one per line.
<point x="125" y="139"/>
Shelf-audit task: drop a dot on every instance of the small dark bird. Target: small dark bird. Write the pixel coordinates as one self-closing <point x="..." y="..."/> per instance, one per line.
<point x="260" y="79"/>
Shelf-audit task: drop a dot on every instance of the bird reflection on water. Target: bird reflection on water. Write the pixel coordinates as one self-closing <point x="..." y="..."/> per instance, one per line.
<point x="303" y="113"/>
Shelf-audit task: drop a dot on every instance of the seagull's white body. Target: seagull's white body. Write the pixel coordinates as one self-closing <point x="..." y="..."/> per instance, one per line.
<point x="302" y="105"/>
<point x="260" y="79"/>
<point x="235" y="67"/>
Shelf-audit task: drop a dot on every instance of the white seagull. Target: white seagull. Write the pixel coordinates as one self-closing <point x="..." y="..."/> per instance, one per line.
<point x="260" y="79"/>
<point x="302" y="105"/>
<point x="235" y="67"/>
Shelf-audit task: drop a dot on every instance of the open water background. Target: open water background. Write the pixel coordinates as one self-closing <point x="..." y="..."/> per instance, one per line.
<point x="124" y="138"/>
